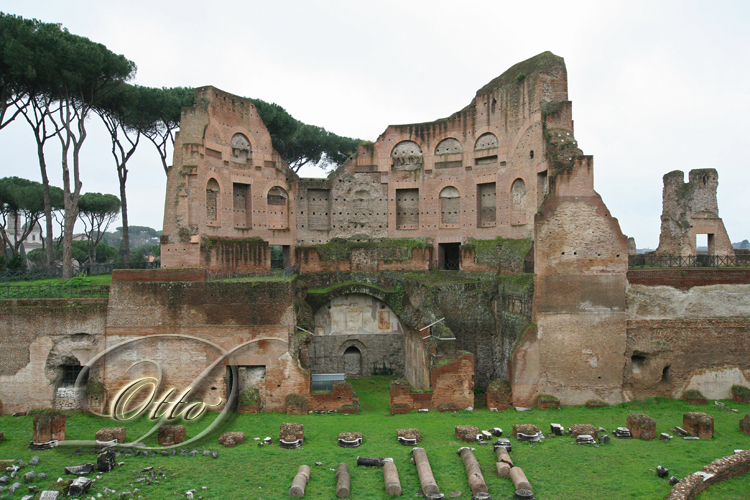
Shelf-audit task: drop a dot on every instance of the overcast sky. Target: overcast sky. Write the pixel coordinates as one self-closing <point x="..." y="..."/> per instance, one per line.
<point x="656" y="86"/>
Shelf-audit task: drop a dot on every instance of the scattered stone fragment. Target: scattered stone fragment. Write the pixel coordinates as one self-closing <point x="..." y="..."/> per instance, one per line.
<point x="467" y="433"/>
<point x="390" y="476"/>
<point x="350" y="439"/>
<point x="699" y="424"/>
<point x="29" y="477"/>
<point x="603" y="439"/>
<point x="673" y="480"/>
<point x="105" y="461"/>
<point x="408" y="437"/>
<point x="111" y="433"/>
<point x="521" y="408"/>
<point x="34" y="461"/>
<point x="691" y="438"/>
<point x="664" y="436"/>
<point x="370" y="461"/>
<point x="662" y="471"/>
<point x="622" y="433"/>
<point x="80" y="470"/>
<point x="486" y="435"/>
<point x="556" y="429"/>
<point x="206" y="453"/>
<point x="504" y="443"/>
<point x="267" y="440"/>
<point x="215" y="454"/>
<point x="14" y="487"/>
<point x="530" y="438"/>
<point x="585" y="439"/>
<point x="525" y="429"/>
<point x="343" y="481"/>
<point x="424" y="471"/>
<point x="50" y="495"/>
<point x="580" y="429"/>
<point x="231" y="439"/>
<point x="496" y="431"/>
<point x="33" y="489"/>
<point x="423" y="410"/>
<point x="183" y="453"/>
<point x="79" y="486"/>
<point x="523" y="495"/>
<point x="474" y="475"/>
<point x="170" y="435"/>
<point x="519" y="479"/>
<point x="300" y="482"/>
<point x="641" y="426"/>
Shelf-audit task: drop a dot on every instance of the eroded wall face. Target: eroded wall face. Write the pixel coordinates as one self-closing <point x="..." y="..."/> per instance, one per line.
<point x="687" y="339"/>
<point x="37" y="338"/>
<point x="577" y="349"/>
<point x="691" y="209"/>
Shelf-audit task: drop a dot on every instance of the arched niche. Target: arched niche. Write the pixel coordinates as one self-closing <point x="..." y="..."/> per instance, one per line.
<point x="449" y="146"/>
<point x="450" y="205"/>
<point x="241" y="150"/>
<point x="407" y="155"/>
<point x="518" y="195"/>
<point x="486" y="141"/>
<point x="358" y="321"/>
<point x="212" y="200"/>
<point x="278" y="208"/>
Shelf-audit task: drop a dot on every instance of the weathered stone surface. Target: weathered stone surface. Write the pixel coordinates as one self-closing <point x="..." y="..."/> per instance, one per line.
<point x="49" y="425"/>
<point x="105" y="461"/>
<point x="467" y="433"/>
<point x="408" y="437"/>
<point x="170" y="435"/>
<point x="79" y="486"/>
<point x="392" y="481"/>
<point x="350" y="439"/>
<point x="503" y="469"/>
<point x="291" y="432"/>
<point x="641" y="426"/>
<point x="80" y="470"/>
<point x="231" y="439"/>
<point x="473" y="472"/>
<point x="745" y="424"/>
<point x="299" y="483"/>
<point x="699" y="424"/>
<point x="110" y="433"/>
<point x="343" y="481"/>
<point x="578" y="429"/>
<point x="525" y="429"/>
<point x="519" y="479"/>
<point x="499" y="395"/>
<point x="424" y="471"/>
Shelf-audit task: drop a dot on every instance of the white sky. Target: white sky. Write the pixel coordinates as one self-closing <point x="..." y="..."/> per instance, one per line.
<point x="656" y="85"/>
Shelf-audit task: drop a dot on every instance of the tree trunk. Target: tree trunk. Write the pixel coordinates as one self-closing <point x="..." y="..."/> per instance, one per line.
<point x="124" y="214"/>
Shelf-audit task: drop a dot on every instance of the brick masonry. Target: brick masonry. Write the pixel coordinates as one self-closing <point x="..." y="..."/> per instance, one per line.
<point x="685" y="279"/>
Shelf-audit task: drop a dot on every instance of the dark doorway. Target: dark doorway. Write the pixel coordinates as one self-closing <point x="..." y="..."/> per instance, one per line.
<point x="277" y="257"/>
<point x="449" y="255"/>
<point x="352" y="362"/>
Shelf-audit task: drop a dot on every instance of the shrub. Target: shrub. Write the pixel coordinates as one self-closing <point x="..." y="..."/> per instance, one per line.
<point x="595" y="403"/>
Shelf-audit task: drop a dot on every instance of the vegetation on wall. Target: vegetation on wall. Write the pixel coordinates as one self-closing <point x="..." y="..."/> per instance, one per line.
<point x="505" y="255"/>
<point x="390" y="249"/>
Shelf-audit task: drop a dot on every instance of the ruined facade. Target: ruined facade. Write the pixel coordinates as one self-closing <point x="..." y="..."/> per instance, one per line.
<point x="690" y="209"/>
<point x="499" y="193"/>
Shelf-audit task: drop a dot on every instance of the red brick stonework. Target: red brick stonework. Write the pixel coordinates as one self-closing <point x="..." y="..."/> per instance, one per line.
<point x="685" y="279"/>
<point x="149" y="275"/>
<point x="641" y="426"/>
<point x="698" y="424"/>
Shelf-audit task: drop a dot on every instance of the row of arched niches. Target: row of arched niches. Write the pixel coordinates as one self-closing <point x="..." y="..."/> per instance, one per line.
<point x="409" y="154"/>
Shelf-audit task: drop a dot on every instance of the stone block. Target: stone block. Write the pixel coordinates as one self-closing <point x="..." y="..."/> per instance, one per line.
<point x="467" y="433"/>
<point x="547" y="401"/>
<point x="740" y="393"/>
<point x="525" y="429"/>
<point x="49" y="425"/>
<point x="110" y="433"/>
<point x="745" y="424"/>
<point x="581" y="429"/>
<point x="231" y="439"/>
<point x="698" y="424"/>
<point x="170" y="435"/>
<point x="641" y="426"/>
<point x="291" y="432"/>
<point x="695" y="397"/>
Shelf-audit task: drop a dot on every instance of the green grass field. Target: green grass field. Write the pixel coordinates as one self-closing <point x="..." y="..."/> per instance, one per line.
<point x="557" y="468"/>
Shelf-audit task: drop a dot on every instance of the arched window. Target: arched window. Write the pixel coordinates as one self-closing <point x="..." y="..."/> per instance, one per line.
<point x="212" y="196"/>
<point x="352" y="362"/>
<point x="407" y="155"/>
<point x="240" y="148"/>
<point x="450" y="206"/>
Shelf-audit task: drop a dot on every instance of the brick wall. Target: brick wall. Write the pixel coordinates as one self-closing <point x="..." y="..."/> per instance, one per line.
<point x="719" y="470"/>
<point x="164" y="274"/>
<point x="685" y="279"/>
<point x="452" y="379"/>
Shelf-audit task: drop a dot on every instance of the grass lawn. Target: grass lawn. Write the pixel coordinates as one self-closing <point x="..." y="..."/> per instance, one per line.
<point x="557" y="468"/>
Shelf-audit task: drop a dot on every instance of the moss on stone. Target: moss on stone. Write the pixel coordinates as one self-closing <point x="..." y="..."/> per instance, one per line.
<point x="94" y="388"/>
<point x="339" y="249"/>
<point x="250" y="396"/>
<point x="562" y="150"/>
<point x="504" y="254"/>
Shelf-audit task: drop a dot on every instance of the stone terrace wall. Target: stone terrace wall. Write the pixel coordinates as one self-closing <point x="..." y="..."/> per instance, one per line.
<point x="165" y="274"/>
<point x="684" y="279"/>
<point x="36" y="337"/>
<point x="715" y="472"/>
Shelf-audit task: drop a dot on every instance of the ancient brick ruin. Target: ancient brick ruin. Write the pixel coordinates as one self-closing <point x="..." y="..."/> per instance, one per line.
<point x="472" y="251"/>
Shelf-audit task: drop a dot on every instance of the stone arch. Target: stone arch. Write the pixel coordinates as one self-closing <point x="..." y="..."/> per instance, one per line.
<point x="450" y="205"/>
<point x="241" y="149"/>
<point x="407" y="155"/>
<point x="449" y="146"/>
<point x="212" y="199"/>
<point x="486" y="141"/>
